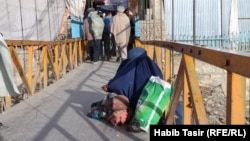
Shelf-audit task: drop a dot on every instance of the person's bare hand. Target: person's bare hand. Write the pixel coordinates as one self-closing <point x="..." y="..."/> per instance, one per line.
<point x="105" y="88"/>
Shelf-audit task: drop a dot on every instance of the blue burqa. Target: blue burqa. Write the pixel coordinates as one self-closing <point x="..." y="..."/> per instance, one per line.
<point x="132" y="75"/>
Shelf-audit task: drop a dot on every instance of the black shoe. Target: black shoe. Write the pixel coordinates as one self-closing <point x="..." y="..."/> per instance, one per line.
<point x="3" y="127"/>
<point x="118" y="59"/>
<point x="109" y="57"/>
<point x="133" y="126"/>
<point x="87" y="58"/>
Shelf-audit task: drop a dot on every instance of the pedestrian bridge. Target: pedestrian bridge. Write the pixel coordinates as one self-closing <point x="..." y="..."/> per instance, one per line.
<point x="62" y="86"/>
<point x="59" y="111"/>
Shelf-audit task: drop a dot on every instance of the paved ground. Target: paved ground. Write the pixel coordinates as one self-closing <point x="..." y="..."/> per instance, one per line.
<point x="58" y="112"/>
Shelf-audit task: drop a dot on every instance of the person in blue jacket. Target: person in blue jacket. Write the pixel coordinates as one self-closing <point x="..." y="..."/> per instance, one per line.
<point x="106" y="35"/>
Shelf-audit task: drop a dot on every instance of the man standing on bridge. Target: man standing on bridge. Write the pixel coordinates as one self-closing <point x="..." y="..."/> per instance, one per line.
<point x="120" y="28"/>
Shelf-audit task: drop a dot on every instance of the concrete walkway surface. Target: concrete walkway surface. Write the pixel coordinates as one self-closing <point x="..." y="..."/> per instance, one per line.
<point x="58" y="112"/>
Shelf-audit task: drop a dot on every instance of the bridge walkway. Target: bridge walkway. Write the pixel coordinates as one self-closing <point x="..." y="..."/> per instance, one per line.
<point x="58" y="112"/>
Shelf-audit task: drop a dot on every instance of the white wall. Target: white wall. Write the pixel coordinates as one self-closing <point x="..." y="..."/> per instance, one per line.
<point x="31" y="19"/>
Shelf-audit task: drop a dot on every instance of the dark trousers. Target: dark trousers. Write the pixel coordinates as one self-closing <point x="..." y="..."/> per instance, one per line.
<point x="113" y="46"/>
<point x="94" y="49"/>
<point x="107" y="47"/>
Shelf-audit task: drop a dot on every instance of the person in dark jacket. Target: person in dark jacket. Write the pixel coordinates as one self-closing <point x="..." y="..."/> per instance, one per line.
<point x="106" y="35"/>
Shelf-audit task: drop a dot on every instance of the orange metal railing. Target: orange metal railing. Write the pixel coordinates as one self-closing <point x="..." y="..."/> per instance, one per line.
<point x="187" y="84"/>
<point x="56" y="58"/>
<point x="59" y="57"/>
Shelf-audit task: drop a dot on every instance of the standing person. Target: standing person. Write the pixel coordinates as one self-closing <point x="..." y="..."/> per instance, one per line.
<point x="93" y="28"/>
<point x="101" y="49"/>
<point x="106" y="34"/>
<point x="7" y="84"/>
<point x="86" y="32"/>
<point x="130" y="14"/>
<point x="120" y="28"/>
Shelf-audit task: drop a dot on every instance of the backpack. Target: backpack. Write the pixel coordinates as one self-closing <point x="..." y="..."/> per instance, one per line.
<point x="97" y="24"/>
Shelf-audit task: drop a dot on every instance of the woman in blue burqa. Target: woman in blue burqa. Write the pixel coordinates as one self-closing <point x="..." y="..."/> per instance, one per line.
<point x="132" y="74"/>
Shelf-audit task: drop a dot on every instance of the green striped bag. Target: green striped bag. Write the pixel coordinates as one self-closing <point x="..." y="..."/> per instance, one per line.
<point x="154" y="99"/>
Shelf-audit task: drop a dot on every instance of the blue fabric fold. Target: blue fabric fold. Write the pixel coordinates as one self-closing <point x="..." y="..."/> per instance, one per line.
<point x="132" y="75"/>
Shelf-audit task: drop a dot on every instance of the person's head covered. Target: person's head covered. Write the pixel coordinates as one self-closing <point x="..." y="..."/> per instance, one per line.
<point x="89" y="10"/>
<point x="120" y="8"/>
<point x="93" y="14"/>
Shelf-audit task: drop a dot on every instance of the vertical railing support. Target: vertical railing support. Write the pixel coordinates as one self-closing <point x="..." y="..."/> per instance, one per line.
<point x="236" y="92"/>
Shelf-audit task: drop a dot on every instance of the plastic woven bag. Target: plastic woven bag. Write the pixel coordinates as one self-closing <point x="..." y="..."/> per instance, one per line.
<point x="154" y="99"/>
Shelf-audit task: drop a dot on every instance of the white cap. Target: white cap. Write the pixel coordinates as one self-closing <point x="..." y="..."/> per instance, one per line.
<point x="120" y="8"/>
